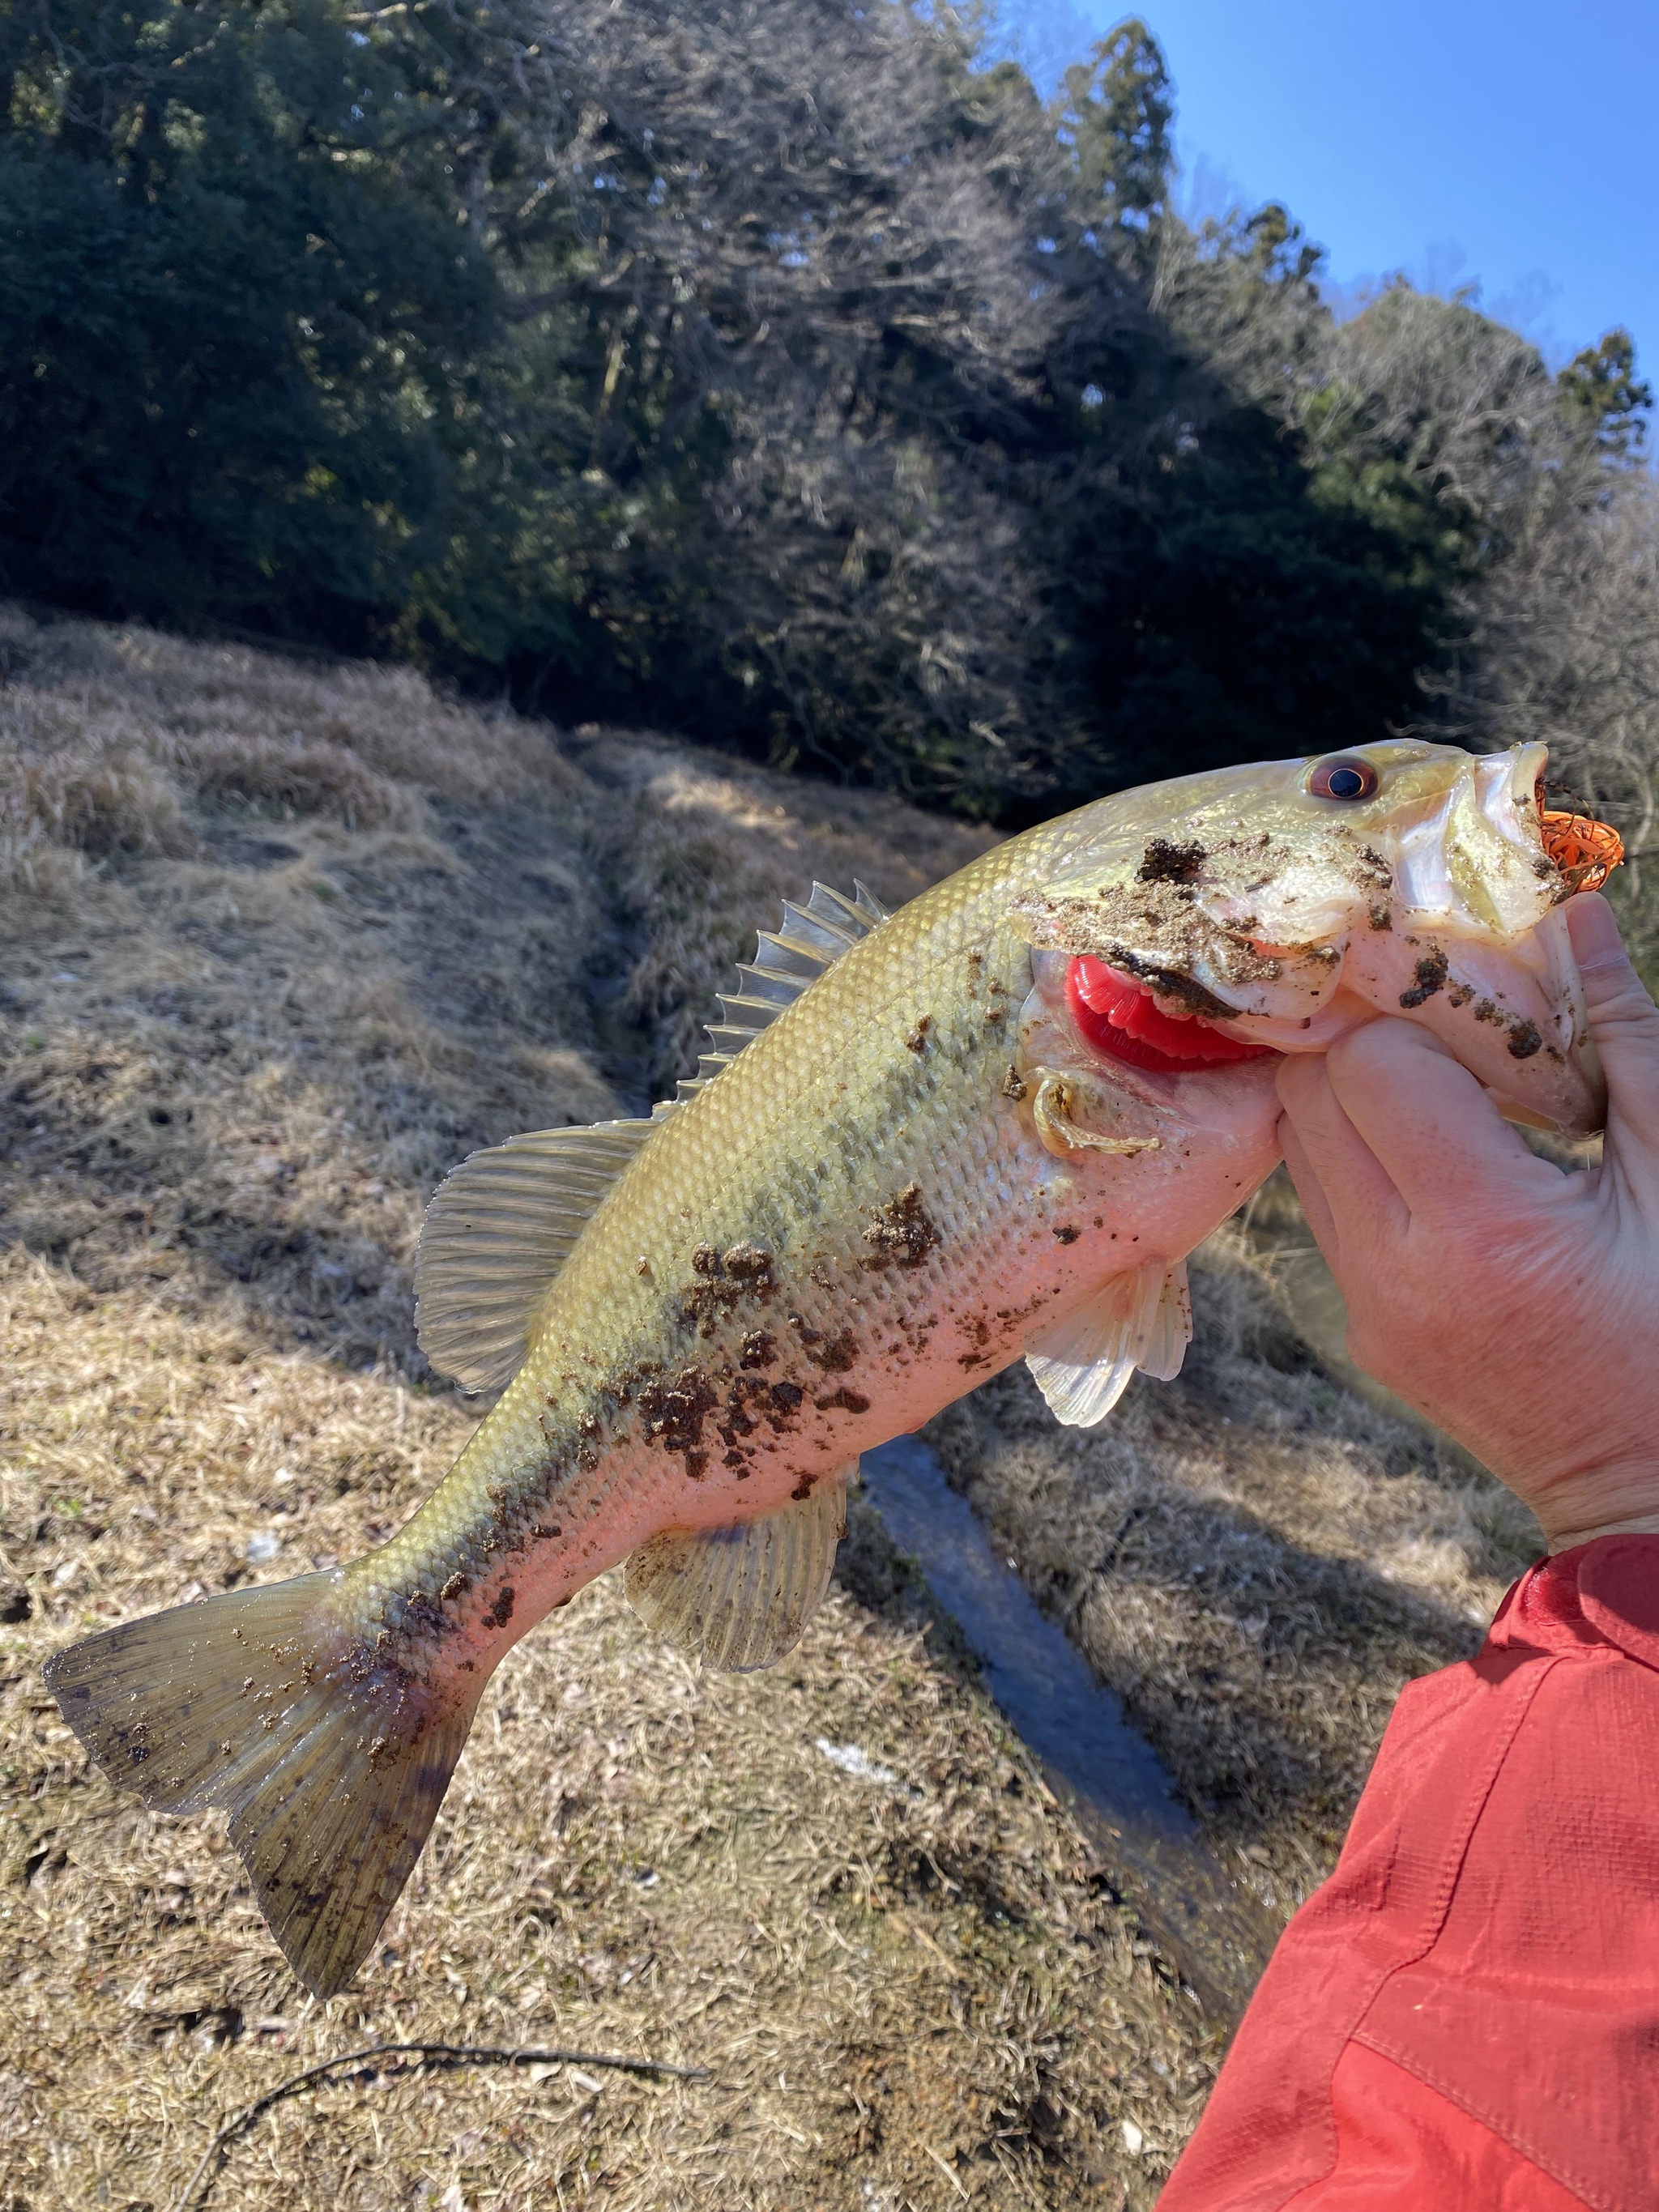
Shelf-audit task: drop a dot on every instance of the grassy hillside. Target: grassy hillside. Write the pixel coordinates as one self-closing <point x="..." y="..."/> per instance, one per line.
<point x="284" y="942"/>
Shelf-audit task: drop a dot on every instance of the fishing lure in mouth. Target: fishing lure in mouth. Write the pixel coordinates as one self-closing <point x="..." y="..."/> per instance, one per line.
<point x="922" y="1146"/>
<point x="1583" y="851"/>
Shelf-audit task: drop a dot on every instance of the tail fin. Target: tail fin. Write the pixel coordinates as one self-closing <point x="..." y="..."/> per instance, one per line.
<point x="332" y="1769"/>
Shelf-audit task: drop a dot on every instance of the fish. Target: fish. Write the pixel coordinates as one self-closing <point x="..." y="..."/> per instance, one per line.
<point x="923" y="1145"/>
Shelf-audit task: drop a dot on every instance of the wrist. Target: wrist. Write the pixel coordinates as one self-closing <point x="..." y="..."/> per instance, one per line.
<point x="1577" y="1484"/>
<point x="1619" y="1500"/>
<point x="1569" y="1540"/>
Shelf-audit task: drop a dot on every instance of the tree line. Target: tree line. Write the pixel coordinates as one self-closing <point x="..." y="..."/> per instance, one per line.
<point x="789" y="374"/>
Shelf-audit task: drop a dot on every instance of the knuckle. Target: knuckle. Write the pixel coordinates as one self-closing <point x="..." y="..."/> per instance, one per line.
<point x="1621" y="1006"/>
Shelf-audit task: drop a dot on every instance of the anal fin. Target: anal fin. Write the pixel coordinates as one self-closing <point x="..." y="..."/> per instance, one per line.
<point x="739" y="1598"/>
<point x="1083" y="1365"/>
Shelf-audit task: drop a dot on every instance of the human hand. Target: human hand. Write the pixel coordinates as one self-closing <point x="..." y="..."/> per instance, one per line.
<point x="1516" y="1306"/>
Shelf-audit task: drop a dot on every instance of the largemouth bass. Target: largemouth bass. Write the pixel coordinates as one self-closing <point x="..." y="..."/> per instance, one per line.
<point x="925" y="1145"/>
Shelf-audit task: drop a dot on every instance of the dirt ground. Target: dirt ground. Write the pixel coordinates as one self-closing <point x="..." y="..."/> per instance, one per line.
<point x="281" y="943"/>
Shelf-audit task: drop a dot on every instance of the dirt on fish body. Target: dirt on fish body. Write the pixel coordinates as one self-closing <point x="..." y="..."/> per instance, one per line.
<point x="912" y="1160"/>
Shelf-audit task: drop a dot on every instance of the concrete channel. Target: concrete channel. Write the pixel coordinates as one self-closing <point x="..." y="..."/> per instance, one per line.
<point x="1210" y="1929"/>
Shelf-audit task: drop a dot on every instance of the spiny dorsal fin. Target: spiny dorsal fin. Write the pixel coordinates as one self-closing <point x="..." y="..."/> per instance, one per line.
<point x="1083" y="1365"/>
<point x="497" y="1232"/>
<point x="739" y="1598"/>
<point x="502" y="1224"/>
<point x="787" y="961"/>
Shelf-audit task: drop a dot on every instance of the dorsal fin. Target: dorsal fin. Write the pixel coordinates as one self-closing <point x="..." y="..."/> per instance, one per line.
<point x="501" y="1225"/>
<point x="497" y="1232"/>
<point x="739" y="1598"/>
<point x="787" y="961"/>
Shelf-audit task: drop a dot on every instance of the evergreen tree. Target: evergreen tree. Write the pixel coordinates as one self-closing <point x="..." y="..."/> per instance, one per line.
<point x="1600" y="386"/>
<point x="241" y="332"/>
<point x="1116" y="111"/>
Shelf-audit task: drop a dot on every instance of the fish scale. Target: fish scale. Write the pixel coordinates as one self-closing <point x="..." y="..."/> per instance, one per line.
<point x="726" y="1169"/>
<point x="906" y="1163"/>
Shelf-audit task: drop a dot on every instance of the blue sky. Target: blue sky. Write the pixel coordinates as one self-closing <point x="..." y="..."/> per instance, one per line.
<point x="1500" y="143"/>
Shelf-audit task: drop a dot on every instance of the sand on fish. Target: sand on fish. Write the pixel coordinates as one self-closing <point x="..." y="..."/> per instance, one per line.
<point x="283" y="941"/>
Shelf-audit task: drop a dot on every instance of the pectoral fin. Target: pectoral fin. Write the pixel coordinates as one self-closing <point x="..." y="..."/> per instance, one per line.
<point x="1083" y="1365"/>
<point x="1172" y="1327"/>
<point x="739" y="1598"/>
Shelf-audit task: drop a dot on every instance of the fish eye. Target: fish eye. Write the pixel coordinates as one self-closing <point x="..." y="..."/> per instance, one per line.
<point x="1345" y="777"/>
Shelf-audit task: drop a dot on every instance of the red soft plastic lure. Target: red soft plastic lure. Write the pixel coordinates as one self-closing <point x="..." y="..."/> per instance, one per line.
<point x="1115" y="1015"/>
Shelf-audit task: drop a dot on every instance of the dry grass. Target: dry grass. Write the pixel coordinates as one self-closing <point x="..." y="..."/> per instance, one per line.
<point x="633" y="1858"/>
<point x="242" y="1038"/>
<point x="337" y="934"/>
<point x="281" y="944"/>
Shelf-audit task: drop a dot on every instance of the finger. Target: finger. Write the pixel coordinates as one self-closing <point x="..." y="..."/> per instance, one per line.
<point x="1320" y="1219"/>
<point x="1623" y="1022"/>
<point x="1357" y="1198"/>
<point x="1432" y="1130"/>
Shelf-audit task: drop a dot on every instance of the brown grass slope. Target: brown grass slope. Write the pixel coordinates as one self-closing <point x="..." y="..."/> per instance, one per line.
<point x="281" y="943"/>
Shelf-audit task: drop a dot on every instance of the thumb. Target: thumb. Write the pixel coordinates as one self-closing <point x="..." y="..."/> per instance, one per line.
<point x="1624" y="1021"/>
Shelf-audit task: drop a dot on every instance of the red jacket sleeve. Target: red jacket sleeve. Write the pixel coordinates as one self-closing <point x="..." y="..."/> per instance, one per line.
<point x="1467" y="2015"/>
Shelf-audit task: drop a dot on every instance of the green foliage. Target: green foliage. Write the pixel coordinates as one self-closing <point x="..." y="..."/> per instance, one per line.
<point x="1253" y="605"/>
<point x="769" y="368"/>
<point x="1116" y="119"/>
<point x="239" y="329"/>
<point x="1600" y="386"/>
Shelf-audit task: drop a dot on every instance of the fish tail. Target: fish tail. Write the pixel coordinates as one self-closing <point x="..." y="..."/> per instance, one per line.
<point x="330" y="1765"/>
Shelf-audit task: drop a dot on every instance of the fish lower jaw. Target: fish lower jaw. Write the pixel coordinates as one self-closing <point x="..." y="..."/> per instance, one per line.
<point x="1312" y="1032"/>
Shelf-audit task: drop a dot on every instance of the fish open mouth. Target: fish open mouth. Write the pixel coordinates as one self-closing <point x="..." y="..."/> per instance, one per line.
<point x="1114" y="1013"/>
